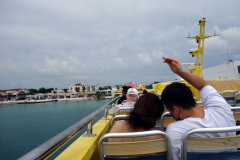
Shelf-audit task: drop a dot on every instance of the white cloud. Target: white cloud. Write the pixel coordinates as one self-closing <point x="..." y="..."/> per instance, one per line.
<point x="60" y="67"/>
<point x="144" y="59"/>
<point x="103" y="67"/>
<point x="158" y="55"/>
<point x="120" y="62"/>
<point x="232" y="34"/>
<point x="72" y="59"/>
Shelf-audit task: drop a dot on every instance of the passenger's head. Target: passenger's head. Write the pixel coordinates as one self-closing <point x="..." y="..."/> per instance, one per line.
<point x="132" y="95"/>
<point x="145" y="92"/>
<point x="178" y="94"/>
<point x="147" y="110"/>
<point x="125" y="89"/>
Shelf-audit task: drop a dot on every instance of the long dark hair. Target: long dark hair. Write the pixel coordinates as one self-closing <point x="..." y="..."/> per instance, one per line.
<point x="147" y="110"/>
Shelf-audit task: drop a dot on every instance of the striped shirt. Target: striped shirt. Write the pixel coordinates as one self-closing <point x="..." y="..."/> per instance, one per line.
<point x="126" y="104"/>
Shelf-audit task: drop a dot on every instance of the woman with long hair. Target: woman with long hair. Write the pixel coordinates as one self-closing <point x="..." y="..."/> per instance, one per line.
<point x="143" y="117"/>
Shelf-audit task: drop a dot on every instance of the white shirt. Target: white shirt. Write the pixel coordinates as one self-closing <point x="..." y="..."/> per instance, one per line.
<point x="126" y="104"/>
<point x="217" y="114"/>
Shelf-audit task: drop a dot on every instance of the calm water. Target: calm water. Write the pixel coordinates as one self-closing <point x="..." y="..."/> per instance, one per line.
<point x="24" y="127"/>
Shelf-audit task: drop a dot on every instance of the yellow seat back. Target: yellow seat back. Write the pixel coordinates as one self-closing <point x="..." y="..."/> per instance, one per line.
<point x="168" y="120"/>
<point x="134" y="148"/>
<point x="236" y="116"/>
<point x="213" y="144"/>
<point x="123" y="113"/>
<point x="138" y="148"/>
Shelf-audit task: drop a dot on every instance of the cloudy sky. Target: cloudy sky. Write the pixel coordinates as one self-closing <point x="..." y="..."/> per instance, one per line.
<point x="58" y="43"/>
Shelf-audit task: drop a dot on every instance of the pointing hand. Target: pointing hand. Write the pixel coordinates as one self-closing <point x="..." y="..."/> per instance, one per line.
<point x="174" y="65"/>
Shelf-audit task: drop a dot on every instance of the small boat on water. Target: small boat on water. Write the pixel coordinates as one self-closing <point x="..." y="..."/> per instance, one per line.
<point x="33" y="101"/>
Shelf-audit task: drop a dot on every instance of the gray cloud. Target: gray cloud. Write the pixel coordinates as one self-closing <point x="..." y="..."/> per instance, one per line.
<point x="56" y="44"/>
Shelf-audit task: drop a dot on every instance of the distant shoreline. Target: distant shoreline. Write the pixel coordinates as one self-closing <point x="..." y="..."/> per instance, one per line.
<point x="51" y="100"/>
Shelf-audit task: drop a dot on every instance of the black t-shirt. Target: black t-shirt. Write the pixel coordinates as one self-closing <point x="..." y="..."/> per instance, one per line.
<point x="121" y="100"/>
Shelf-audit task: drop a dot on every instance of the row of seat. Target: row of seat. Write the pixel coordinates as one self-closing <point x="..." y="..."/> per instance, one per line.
<point x="192" y="148"/>
<point x="166" y="118"/>
<point x="231" y="96"/>
<point x="138" y="149"/>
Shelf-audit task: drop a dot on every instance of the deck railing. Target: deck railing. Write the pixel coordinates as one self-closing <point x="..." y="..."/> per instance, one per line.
<point x="52" y="144"/>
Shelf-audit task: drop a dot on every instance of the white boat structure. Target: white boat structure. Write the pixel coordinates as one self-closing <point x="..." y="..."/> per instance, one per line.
<point x="34" y="101"/>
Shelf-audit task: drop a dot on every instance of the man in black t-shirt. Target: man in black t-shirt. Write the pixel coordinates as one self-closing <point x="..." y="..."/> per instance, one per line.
<point x="124" y="92"/>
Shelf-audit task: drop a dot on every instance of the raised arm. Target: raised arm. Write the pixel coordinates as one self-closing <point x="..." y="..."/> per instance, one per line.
<point x="193" y="79"/>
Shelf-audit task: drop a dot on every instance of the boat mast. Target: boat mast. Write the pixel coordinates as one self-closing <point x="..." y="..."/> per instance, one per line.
<point x="197" y="67"/>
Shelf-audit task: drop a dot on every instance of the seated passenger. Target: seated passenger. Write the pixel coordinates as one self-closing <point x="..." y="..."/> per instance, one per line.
<point x="124" y="92"/>
<point x="179" y="101"/>
<point x="143" y="117"/>
<point x="132" y="96"/>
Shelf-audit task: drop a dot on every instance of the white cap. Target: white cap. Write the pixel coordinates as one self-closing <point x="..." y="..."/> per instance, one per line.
<point x="132" y="91"/>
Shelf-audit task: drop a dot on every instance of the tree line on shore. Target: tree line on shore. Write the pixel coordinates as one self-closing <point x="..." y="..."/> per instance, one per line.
<point x="41" y="90"/>
<point x="49" y="90"/>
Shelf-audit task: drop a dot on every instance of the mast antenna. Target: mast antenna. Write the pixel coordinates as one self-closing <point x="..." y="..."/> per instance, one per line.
<point x="201" y="9"/>
<point x="229" y="60"/>
<point x="187" y="19"/>
<point x="214" y="18"/>
<point x="198" y="52"/>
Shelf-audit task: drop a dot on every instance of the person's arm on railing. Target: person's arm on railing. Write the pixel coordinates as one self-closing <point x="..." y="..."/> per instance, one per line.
<point x="193" y="79"/>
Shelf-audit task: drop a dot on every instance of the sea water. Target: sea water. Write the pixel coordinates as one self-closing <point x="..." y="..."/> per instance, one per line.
<point x="24" y="127"/>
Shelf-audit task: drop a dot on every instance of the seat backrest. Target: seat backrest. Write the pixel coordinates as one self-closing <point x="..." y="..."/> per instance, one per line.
<point x="165" y="121"/>
<point x="122" y="110"/>
<point x="236" y="113"/>
<point x="236" y="116"/>
<point x="210" y="146"/>
<point x="120" y="149"/>
<point x="229" y="96"/>
<point x="117" y="117"/>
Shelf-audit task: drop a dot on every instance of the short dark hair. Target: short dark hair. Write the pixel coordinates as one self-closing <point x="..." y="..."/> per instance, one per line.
<point x="178" y="94"/>
<point x="125" y="89"/>
<point x="147" y="110"/>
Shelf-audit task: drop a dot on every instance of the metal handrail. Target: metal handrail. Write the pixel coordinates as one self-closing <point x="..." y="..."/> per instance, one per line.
<point x="162" y="120"/>
<point x="168" y="113"/>
<point x="235" y="108"/>
<point x="124" y="101"/>
<point x="52" y="144"/>
<point x="205" y="130"/>
<point x="132" y="135"/>
<point x="235" y="98"/>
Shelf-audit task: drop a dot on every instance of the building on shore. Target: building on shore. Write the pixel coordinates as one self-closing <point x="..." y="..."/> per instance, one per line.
<point x="11" y="90"/>
<point x="79" y="85"/>
<point x="75" y="91"/>
<point x="138" y="86"/>
<point x="13" y="94"/>
<point x="108" y="93"/>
